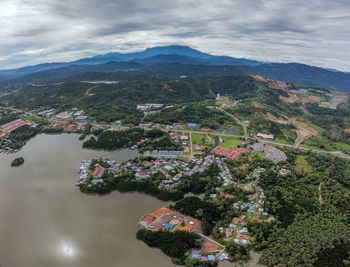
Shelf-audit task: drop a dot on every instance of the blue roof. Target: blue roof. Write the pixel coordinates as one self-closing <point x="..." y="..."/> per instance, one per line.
<point x="168" y="225"/>
<point x="194" y="256"/>
<point x="211" y="258"/>
<point x="192" y="125"/>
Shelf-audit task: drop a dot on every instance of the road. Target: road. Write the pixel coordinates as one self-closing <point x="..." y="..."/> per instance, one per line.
<point x="245" y="132"/>
<point x="210" y="239"/>
<point x="335" y="153"/>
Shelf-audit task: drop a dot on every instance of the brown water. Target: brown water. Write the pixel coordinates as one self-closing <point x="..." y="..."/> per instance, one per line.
<point x="46" y="221"/>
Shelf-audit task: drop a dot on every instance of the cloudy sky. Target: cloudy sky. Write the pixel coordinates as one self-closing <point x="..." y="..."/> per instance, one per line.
<point x="314" y="32"/>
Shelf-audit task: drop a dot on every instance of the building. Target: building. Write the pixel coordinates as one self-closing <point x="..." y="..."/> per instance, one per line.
<point x="218" y="97"/>
<point x="63" y="115"/>
<point x="192" y="125"/>
<point x="98" y="173"/>
<point x="265" y="136"/>
<point x="81" y="118"/>
<point x="184" y="138"/>
<point x="165" y="154"/>
<point x="13" y="125"/>
<point x="146" y="107"/>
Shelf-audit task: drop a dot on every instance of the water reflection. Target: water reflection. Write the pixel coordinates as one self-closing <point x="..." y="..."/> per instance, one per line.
<point x="67" y="249"/>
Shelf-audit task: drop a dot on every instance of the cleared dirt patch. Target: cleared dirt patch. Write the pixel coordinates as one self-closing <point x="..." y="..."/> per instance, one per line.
<point x="279" y="120"/>
<point x="271" y="83"/>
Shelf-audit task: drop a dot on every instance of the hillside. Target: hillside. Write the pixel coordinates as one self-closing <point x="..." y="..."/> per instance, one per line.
<point x="174" y="61"/>
<point x="288" y="111"/>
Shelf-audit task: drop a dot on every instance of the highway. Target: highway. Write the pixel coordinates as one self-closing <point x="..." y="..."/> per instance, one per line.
<point x="335" y="153"/>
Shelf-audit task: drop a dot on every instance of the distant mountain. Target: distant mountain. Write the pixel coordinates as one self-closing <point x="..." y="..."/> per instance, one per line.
<point x="63" y="72"/>
<point x="184" y="51"/>
<point x="181" y="60"/>
<point x="13" y="73"/>
<point x="188" y="55"/>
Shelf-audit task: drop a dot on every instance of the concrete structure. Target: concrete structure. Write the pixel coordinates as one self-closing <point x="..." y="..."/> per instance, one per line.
<point x="265" y="136"/>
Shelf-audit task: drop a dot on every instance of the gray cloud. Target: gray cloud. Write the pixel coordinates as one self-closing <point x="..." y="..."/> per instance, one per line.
<point x="314" y="32"/>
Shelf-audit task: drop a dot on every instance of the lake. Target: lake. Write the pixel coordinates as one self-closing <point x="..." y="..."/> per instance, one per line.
<point x="46" y="221"/>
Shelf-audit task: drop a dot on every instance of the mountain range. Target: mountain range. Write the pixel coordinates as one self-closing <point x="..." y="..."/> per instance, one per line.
<point x="181" y="60"/>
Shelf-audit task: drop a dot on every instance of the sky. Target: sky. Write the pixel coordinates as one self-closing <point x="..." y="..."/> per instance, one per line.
<point x="314" y="32"/>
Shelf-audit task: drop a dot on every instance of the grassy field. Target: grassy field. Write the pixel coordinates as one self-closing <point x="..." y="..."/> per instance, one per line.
<point x="231" y="143"/>
<point x="283" y="141"/>
<point x="226" y="101"/>
<point x="197" y="138"/>
<point x="301" y="165"/>
<point x="31" y="118"/>
<point x="318" y="142"/>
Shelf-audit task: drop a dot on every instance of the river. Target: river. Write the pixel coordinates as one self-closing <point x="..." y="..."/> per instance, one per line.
<point x="46" y="221"/>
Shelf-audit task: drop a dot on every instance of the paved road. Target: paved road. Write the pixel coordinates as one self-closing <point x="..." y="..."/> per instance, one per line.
<point x="335" y="153"/>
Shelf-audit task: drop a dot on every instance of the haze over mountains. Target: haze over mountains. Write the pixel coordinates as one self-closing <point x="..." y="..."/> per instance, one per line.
<point x="181" y="60"/>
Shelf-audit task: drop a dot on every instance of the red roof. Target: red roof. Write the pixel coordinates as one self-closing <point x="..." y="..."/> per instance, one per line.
<point x="95" y="173"/>
<point x="148" y="219"/>
<point x="13" y="125"/>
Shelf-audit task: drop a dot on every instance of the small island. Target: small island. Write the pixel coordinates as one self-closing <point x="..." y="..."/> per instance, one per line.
<point x="17" y="162"/>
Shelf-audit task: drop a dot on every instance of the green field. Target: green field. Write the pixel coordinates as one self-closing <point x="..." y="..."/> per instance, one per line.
<point x="32" y="118"/>
<point x="226" y="101"/>
<point x="231" y="143"/>
<point x="318" y="142"/>
<point x="283" y="141"/>
<point x="198" y="138"/>
<point x="301" y="165"/>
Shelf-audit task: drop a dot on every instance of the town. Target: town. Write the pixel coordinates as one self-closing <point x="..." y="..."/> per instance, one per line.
<point x="171" y="171"/>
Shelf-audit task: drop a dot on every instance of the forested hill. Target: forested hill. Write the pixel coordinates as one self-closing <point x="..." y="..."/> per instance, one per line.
<point x="181" y="66"/>
<point x="108" y="102"/>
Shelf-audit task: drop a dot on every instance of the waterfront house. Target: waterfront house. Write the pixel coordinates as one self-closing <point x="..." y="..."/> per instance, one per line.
<point x="98" y="173"/>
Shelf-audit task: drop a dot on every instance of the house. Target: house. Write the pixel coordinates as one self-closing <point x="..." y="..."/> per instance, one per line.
<point x="218" y="97"/>
<point x="251" y="212"/>
<point x="142" y="107"/>
<point x="81" y="118"/>
<point x="192" y="125"/>
<point x="97" y="181"/>
<point x="169" y="226"/>
<point x="148" y="219"/>
<point x="243" y="217"/>
<point x="241" y="241"/>
<point x="236" y="220"/>
<point x="232" y="225"/>
<point x="98" y="173"/>
<point x="244" y="230"/>
<point x="285" y="171"/>
<point x="211" y="258"/>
